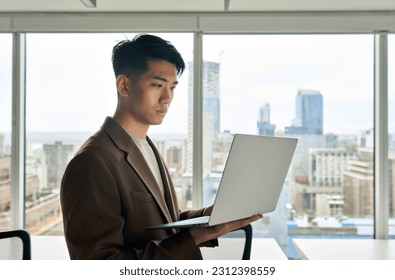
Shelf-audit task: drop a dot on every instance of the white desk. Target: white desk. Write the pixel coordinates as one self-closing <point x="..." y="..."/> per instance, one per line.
<point x="346" y="249"/>
<point x="45" y="247"/>
<point x="232" y="249"/>
<point x="54" y="248"/>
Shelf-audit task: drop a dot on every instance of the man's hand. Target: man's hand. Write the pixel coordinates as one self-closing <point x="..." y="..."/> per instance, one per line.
<point x="201" y="235"/>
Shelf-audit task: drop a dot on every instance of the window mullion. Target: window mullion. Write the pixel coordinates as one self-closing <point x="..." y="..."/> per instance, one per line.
<point x="18" y="131"/>
<point x="381" y="193"/>
<point x="198" y="121"/>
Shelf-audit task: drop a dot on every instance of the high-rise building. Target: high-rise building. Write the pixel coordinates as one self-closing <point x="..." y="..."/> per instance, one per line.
<point x="211" y="113"/>
<point x="173" y="151"/>
<point x="5" y="191"/>
<point x="359" y="185"/>
<point x="211" y="99"/>
<point x="309" y="113"/>
<point x="1" y="144"/>
<point x="324" y="193"/>
<point x="327" y="165"/>
<point x="57" y="157"/>
<point x="263" y="124"/>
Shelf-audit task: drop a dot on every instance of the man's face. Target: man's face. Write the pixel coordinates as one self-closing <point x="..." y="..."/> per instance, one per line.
<point x="150" y="96"/>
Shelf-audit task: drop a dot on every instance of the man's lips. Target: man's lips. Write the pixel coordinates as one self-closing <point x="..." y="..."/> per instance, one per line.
<point x="161" y="111"/>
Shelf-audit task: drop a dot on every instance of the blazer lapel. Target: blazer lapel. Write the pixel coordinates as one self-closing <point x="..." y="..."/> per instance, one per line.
<point x="170" y="196"/>
<point x="136" y="160"/>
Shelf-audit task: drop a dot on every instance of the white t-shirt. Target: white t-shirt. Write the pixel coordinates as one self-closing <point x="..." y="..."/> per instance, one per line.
<point x="150" y="158"/>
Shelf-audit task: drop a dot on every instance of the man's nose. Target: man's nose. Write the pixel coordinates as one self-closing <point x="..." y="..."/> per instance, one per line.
<point x="167" y="95"/>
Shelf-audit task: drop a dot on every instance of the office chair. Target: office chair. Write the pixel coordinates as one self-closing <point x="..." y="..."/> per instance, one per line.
<point x="15" y="245"/>
<point x="248" y="241"/>
<point x="235" y="245"/>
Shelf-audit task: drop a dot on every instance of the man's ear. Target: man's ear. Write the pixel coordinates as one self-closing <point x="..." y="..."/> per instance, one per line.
<point x="123" y="85"/>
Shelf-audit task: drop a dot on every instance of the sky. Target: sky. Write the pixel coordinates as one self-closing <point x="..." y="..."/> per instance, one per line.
<point x="71" y="86"/>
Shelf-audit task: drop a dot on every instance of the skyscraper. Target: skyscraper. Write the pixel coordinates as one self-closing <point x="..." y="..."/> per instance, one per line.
<point x="211" y="113"/>
<point x="309" y="113"/>
<point x="57" y="156"/>
<point x="211" y="100"/>
<point x="263" y="124"/>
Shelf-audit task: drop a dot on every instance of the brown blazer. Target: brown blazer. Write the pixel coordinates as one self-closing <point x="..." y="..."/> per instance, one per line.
<point x="108" y="195"/>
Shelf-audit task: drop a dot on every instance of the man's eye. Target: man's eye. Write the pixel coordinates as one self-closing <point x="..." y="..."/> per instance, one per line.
<point x="158" y="85"/>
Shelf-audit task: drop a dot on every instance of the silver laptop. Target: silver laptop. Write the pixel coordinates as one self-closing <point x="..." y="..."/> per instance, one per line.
<point x="251" y="182"/>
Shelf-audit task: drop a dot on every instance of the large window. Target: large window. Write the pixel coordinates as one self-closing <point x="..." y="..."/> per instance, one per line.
<point x="5" y="129"/>
<point x="70" y="89"/>
<point x="391" y="131"/>
<point x="317" y="88"/>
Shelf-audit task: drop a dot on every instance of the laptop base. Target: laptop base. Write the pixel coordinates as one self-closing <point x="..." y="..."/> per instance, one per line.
<point x="194" y="222"/>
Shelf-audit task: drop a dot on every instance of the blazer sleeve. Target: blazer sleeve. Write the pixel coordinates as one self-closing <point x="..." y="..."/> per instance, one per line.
<point x="93" y="219"/>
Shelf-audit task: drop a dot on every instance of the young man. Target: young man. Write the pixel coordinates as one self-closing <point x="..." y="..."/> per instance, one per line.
<point x="117" y="184"/>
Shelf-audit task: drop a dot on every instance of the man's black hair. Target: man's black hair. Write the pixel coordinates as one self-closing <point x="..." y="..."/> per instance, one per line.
<point x="131" y="57"/>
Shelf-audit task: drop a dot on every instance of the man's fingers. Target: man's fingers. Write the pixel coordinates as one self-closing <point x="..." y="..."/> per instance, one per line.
<point x="227" y="227"/>
<point x="207" y="210"/>
<point x="201" y="235"/>
<point x="241" y="223"/>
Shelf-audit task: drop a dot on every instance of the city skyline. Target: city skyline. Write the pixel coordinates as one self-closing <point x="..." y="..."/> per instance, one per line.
<point x="283" y="64"/>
